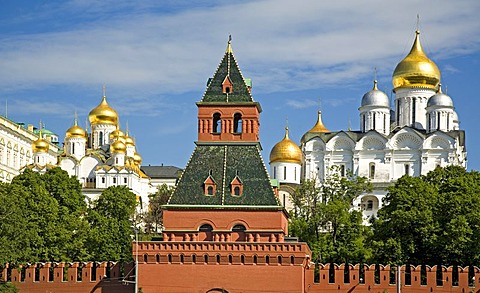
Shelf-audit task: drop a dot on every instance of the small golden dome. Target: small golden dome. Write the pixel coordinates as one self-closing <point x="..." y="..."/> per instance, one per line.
<point x="118" y="147"/>
<point x="76" y="131"/>
<point x="129" y="140"/>
<point x="138" y="159"/>
<point x="103" y="114"/>
<point x="416" y="69"/>
<point x="319" y="127"/>
<point x="286" y="151"/>
<point x="40" y="145"/>
<point x="117" y="134"/>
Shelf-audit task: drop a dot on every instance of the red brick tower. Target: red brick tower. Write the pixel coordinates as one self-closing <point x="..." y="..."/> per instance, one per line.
<point x="224" y="228"/>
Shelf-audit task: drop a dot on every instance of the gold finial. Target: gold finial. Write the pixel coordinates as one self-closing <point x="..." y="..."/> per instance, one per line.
<point x="440" y="88"/>
<point x="375" y="87"/>
<point x="104" y="90"/>
<point x="319" y="127"/>
<point x="286" y="133"/>
<point x="229" y="45"/>
<point x="75" y="119"/>
<point x="418" y="23"/>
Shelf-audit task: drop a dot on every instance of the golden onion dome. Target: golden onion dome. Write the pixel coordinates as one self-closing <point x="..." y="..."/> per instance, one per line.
<point x="129" y="140"/>
<point x="40" y="145"/>
<point x="416" y="69"/>
<point x="117" y="134"/>
<point x="103" y="114"/>
<point x="319" y="127"/>
<point x="118" y="147"/>
<point x="137" y="159"/>
<point x="76" y="131"/>
<point x="286" y="151"/>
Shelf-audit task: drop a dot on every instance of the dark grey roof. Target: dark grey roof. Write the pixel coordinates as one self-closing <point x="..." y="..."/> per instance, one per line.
<point x="161" y="171"/>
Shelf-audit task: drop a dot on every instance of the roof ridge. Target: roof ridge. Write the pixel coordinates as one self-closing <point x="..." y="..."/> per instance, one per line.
<point x="181" y="175"/>
<point x="241" y="74"/>
<point x="211" y="79"/>
<point x="268" y="174"/>
<point x="224" y="173"/>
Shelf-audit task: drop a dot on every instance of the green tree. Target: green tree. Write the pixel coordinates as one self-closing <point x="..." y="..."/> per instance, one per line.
<point x="154" y="216"/>
<point x="324" y="218"/>
<point x="432" y="219"/>
<point x="38" y="224"/>
<point x="111" y="220"/>
<point x="15" y="239"/>
<point x="8" y="288"/>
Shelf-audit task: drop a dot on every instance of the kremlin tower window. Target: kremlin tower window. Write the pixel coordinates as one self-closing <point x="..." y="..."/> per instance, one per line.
<point x="210" y="186"/>
<point x="237" y="123"/>
<point x="239" y="228"/>
<point x="227" y="86"/>
<point x="217" y="123"/>
<point x="205" y="228"/>
<point x="236" y="186"/>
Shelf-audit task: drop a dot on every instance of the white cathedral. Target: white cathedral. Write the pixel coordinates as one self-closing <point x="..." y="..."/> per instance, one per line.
<point x="422" y="132"/>
<point x="104" y="157"/>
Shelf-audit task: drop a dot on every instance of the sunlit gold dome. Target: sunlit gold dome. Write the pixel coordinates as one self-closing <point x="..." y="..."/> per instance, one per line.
<point x="416" y="69"/>
<point x="129" y="140"/>
<point x="118" y="147"/>
<point x="286" y="151"/>
<point x="75" y="131"/>
<point x="40" y="145"/>
<point x="319" y="127"/>
<point x="138" y="159"/>
<point x="103" y="114"/>
<point x="117" y="134"/>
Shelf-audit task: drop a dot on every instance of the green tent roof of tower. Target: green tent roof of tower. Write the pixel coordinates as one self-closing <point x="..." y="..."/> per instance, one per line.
<point x="224" y="162"/>
<point x="228" y="67"/>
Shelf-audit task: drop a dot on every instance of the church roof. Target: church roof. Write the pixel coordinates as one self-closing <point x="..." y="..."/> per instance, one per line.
<point x="357" y="135"/>
<point x="161" y="171"/>
<point x="228" y="67"/>
<point x="223" y="162"/>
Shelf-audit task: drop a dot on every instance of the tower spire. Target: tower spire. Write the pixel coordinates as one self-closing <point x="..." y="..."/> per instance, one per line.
<point x="229" y="45"/>
<point x="104" y="90"/>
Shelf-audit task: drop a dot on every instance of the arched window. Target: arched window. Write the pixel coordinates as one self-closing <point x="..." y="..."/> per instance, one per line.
<point x="369" y="205"/>
<point x="205" y="228"/>
<point x="100" y="138"/>
<point x="73" y="148"/>
<point x="371" y="174"/>
<point x="217" y="123"/>
<point x="237" y="123"/>
<point x="239" y="228"/>
<point x="210" y="190"/>
<point x="236" y="190"/>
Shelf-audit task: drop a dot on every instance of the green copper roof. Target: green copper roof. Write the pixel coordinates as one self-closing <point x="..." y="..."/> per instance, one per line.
<point x="223" y="162"/>
<point x="228" y="67"/>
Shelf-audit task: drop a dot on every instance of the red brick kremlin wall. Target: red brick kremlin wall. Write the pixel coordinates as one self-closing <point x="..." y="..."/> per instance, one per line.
<point x="76" y="277"/>
<point x="234" y="267"/>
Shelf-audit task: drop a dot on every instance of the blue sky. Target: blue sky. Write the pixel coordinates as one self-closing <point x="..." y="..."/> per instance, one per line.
<point x="155" y="58"/>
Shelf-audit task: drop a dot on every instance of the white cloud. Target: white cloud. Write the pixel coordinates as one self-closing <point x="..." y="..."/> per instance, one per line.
<point x="301" y="104"/>
<point x="280" y="44"/>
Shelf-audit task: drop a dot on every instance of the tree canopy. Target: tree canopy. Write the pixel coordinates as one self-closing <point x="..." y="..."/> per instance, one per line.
<point x="111" y="220"/>
<point x="154" y="217"/>
<point x="431" y="219"/>
<point x="45" y="218"/>
<point x="322" y="217"/>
